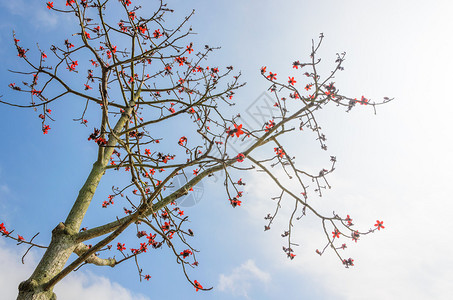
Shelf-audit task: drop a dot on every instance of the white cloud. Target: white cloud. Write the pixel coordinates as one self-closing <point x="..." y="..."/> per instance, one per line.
<point x="239" y="282"/>
<point x="89" y="286"/>
<point x="409" y="259"/>
<point x="34" y="11"/>
<point x="46" y="19"/>
<point x="80" y="285"/>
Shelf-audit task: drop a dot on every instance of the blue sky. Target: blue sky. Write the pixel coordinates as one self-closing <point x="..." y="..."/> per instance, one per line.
<point x="393" y="166"/>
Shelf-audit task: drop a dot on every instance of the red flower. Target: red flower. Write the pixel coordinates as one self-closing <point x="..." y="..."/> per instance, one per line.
<point x="14" y="87"/>
<point x="43" y="55"/>
<point x="68" y="2"/>
<point x="364" y="101"/>
<point x="2" y="227"/>
<point x="269" y="125"/>
<point x="279" y="152"/>
<point x="240" y="157"/>
<point x="121" y="247"/>
<point x="73" y="65"/>
<point x="181" y="60"/>
<point x="379" y="224"/>
<point x="49" y="5"/>
<point x="308" y="86"/>
<point x="45" y="129"/>
<point x="21" y="51"/>
<point x="166" y="226"/>
<point x="147" y="277"/>
<point x="147" y="152"/>
<point x="87" y="87"/>
<point x="20" y="238"/>
<point x="189" y="48"/>
<point x="195" y="172"/>
<point x="237" y="130"/>
<point x="197" y="285"/>
<point x="132" y="15"/>
<point x="235" y="202"/>
<point x="182" y="140"/>
<point x="68" y="44"/>
<point x="349" y="220"/>
<point x="348" y="262"/>
<point x="87" y="35"/>
<point x="157" y="34"/>
<point x="336" y="233"/>
<point x="291" y="80"/>
<point x="143" y="247"/>
<point x="263" y="70"/>
<point x="272" y="76"/>
<point x="355" y="236"/>
<point x="185" y="253"/>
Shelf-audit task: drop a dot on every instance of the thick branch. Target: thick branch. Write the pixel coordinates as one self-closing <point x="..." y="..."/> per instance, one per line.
<point x="80" y="207"/>
<point x="81" y="249"/>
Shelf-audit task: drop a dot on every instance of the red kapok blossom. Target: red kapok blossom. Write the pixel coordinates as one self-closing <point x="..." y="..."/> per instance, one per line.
<point x="189" y="48"/>
<point x="121" y="247"/>
<point x="2" y="227"/>
<point x="157" y="34"/>
<point x="240" y="157"/>
<point x="348" y="262"/>
<point x="185" y="253"/>
<point x="235" y="202"/>
<point x="45" y="129"/>
<point x="272" y="76"/>
<point x="197" y="285"/>
<point x="336" y="233"/>
<point x="379" y="224"/>
<point x="237" y="130"/>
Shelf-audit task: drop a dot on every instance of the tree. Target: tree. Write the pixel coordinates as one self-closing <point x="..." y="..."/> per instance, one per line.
<point x="137" y="75"/>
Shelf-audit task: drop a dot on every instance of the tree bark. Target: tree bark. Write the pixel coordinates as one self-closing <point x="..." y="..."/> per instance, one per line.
<point x="64" y="236"/>
<point x="52" y="262"/>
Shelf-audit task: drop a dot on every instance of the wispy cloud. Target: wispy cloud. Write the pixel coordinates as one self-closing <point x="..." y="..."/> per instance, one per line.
<point x="239" y="282"/>
<point x="33" y="11"/>
<point x="83" y="285"/>
<point x="17" y="7"/>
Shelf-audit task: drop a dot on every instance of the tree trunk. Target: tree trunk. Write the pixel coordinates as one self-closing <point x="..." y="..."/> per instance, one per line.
<point x="52" y="262"/>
